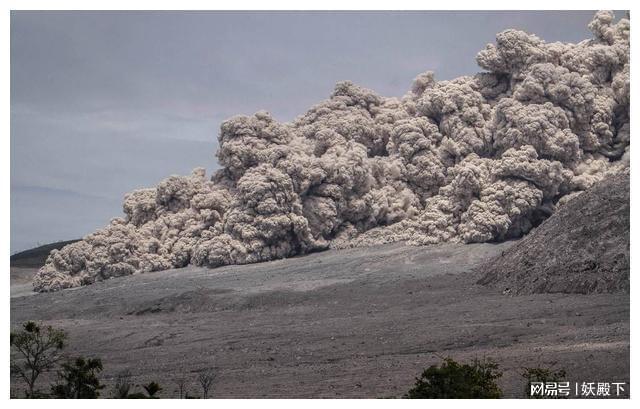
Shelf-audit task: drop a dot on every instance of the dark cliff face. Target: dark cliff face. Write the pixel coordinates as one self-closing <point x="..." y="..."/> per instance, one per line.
<point x="582" y="248"/>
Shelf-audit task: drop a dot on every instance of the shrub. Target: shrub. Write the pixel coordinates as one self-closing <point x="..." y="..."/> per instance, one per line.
<point x="123" y="385"/>
<point x="152" y="388"/>
<point x="540" y="374"/>
<point x="78" y="379"/>
<point x="452" y="380"/>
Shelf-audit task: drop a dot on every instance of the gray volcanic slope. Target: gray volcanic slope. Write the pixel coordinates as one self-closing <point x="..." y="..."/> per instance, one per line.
<point x="361" y="322"/>
<point x="582" y="248"/>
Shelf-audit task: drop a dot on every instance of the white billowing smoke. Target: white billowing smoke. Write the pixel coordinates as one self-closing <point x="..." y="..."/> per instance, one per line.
<point x="475" y="159"/>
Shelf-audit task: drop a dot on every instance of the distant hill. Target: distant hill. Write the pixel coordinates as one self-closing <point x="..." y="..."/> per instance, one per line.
<point x="35" y="258"/>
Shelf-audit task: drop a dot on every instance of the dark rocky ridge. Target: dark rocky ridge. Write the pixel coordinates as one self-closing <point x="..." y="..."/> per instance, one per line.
<point x="583" y="248"/>
<point x="36" y="257"/>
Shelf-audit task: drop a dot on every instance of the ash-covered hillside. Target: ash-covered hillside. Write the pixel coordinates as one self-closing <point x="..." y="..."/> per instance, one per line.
<point x="479" y="158"/>
<point x="583" y="248"/>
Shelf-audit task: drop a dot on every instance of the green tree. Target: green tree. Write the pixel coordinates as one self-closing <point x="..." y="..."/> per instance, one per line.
<point x="452" y="380"/>
<point x="39" y="348"/>
<point x="78" y="379"/>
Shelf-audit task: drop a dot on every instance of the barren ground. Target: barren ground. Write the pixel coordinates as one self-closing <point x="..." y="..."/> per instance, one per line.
<point x="351" y="323"/>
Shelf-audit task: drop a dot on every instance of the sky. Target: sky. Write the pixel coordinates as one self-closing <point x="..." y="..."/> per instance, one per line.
<point x="103" y="103"/>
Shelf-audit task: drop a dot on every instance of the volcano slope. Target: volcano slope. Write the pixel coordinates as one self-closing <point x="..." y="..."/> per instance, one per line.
<point x="583" y="248"/>
<point x="360" y="322"/>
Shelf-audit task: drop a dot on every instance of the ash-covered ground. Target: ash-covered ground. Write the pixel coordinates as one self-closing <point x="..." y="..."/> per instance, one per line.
<point x="360" y="322"/>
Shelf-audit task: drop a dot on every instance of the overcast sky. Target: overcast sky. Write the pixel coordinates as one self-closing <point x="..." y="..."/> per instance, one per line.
<point x="106" y="102"/>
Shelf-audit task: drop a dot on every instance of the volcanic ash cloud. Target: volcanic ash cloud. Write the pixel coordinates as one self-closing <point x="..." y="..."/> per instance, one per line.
<point x="478" y="158"/>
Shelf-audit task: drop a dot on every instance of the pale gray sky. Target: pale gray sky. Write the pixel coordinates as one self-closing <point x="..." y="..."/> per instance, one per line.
<point x="106" y="102"/>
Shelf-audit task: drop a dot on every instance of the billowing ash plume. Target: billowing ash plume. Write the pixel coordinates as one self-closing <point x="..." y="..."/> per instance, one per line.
<point x="474" y="159"/>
